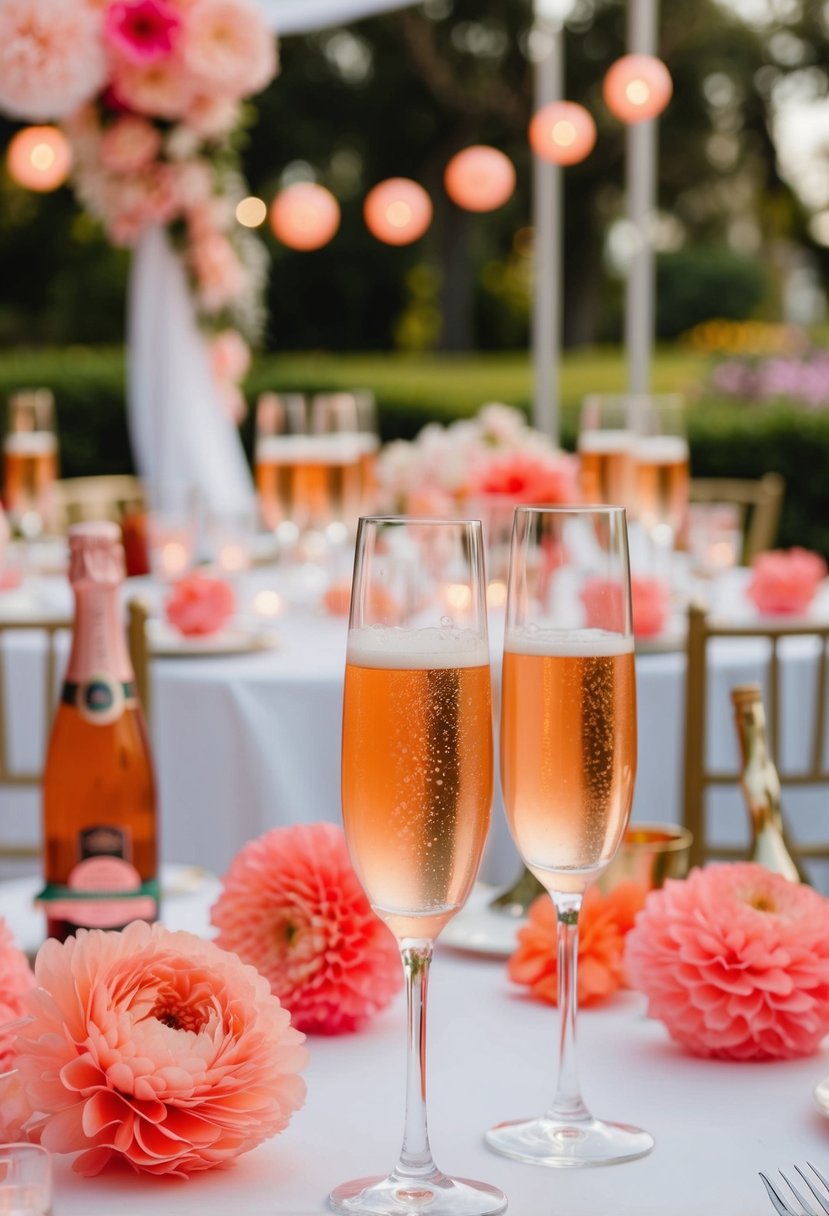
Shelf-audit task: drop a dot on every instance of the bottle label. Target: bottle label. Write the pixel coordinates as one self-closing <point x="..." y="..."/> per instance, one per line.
<point x="100" y="700"/>
<point x="102" y="893"/>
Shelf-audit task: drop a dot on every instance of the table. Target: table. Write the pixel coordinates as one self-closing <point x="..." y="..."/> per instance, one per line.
<point x="491" y="1057"/>
<point x="246" y="742"/>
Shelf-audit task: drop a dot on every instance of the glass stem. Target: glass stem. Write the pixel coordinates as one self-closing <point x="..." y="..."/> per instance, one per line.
<point x="568" y="1106"/>
<point x="416" y="1156"/>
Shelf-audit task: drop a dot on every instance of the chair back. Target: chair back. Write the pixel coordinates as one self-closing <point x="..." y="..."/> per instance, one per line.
<point x="811" y="767"/>
<point x="759" y="503"/>
<point x="111" y="497"/>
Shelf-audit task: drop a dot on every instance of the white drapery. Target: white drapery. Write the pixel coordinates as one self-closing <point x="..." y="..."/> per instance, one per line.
<point x="178" y="427"/>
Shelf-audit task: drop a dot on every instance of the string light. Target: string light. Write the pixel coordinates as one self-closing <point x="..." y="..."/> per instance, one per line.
<point x="637" y="87"/>
<point x="397" y="211"/>
<point x="479" y="178"/>
<point x="39" y="158"/>
<point x="305" y="216"/>
<point x="563" y="132"/>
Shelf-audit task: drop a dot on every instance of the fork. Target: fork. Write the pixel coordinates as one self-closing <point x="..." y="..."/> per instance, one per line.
<point x="784" y="1209"/>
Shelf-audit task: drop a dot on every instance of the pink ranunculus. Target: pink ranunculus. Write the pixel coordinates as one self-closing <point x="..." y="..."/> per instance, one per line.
<point x="229" y="49"/>
<point x="292" y="906"/>
<point x="784" y="582"/>
<point x="131" y="204"/>
<point x="220" y="276"/>
<point x="51" y="57"/>
<point x="157" y="1049"/>
<point x="529" y="476"/>
<point x="193" y="182"/>
<point x="212" y="115"/>
<point x="15" y="980"/>
<point x="159" y="90"/>
<point x="229" y="356"/>
<point x="129" y="144"/>
<point x="200" y="604"/>
<point x="735" y="961"/>
<point x="142" y="31"/>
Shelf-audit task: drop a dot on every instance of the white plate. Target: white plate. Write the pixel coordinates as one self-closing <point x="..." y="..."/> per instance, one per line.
<point x="821" y="1095"/>
<point x="480" y="929"/>
<point x="167" y="642"/>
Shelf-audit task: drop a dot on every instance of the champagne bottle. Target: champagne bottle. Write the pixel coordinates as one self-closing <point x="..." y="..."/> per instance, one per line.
<point x="99" y="810"/>
<point x="760" y="784"/>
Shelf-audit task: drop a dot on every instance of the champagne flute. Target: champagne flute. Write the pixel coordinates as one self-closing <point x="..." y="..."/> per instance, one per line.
<point x="30" y="460"/>
<point x="606" y="450"/>
<point x="416" y="791"/>
<point x="568" y="765"/>
<point x="662" y="463"/>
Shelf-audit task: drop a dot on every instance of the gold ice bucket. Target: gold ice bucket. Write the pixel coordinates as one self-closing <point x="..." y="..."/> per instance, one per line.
<point x="649" y="853"/>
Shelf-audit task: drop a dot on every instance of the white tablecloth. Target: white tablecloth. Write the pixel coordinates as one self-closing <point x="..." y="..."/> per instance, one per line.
<point x="491" y="1057"/>
<point x="246" y="742"/>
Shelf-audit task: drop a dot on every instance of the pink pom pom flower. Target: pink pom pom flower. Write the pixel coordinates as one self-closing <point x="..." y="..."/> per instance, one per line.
<point x="15" y="980"/>
<point x="735" y="961"/>
<point x="200" y="605"/>
<point x="51" y="57"/>
<point x="785" y="582"/>
<point x="157" y="1049"/>
<point x="294" y="908"/>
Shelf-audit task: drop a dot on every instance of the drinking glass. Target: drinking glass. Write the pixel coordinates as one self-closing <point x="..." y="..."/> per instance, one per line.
<point x="30" y="462"/>
<point x="282" y="422"/>
<point x="173" y="529"/>
<point x="662" y="463"/>
<point x="606" y="450"/>
<point x="416" y="789"/>
<point x="25" y="1180"/>
<point x="568" y="765"/>
<point x="335" y="423"/>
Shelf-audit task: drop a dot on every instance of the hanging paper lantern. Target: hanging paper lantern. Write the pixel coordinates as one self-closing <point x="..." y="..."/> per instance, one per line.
<point x="479" y="178"/>
<point x="637" y="87"/>
<point x="39" y="158"/>
<point x="563" y="132"/>
<point x="397" y="211"/>
<point x="304" y="216"/>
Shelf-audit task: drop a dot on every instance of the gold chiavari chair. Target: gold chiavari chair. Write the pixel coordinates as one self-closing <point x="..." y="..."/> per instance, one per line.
<point x="111" y="497"/>
<point x="699" y="776"/>
<point x="759" y="503"/>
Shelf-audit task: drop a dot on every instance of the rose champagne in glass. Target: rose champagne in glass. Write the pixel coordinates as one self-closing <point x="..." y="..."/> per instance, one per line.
<point x="568" y="765"/>
<point x="416" y="791"/>
<point x="662" y="469"/>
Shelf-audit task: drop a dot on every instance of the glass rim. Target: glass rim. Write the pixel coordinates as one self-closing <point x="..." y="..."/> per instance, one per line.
<point x="419" y="520"/>
<point x="599" y="508"/>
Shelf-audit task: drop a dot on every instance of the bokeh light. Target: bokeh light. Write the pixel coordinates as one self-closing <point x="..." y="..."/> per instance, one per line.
<point x="304" y="216"/>
<point x="637" y="87"/>
<point x="563" y="132"/>
<point x="479" y="178"/>
<point x="397" y="211"/>
<point x="39" y="158"/>
<point x="251" y="211"/>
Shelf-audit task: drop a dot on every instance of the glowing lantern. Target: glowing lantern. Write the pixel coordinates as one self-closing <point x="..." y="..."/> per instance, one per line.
<point x="39" y="158"/>
<point x="305" y="216"/>
<point x="563" y="132"/>
<point x="637" y="87"/>
<point x="397" y="211"/>
<point x="479" y="178"/>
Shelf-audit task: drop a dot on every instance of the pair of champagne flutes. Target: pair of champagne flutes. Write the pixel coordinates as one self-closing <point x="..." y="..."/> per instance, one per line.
<point x="417" y="775"/>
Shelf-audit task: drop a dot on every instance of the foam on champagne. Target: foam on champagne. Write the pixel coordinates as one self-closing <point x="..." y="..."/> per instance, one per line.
<point x="390" y="647"/>
<point x="605" y="441"/>
<point x="570" y="644"/>
<point x="662" y="449"/>
<point x="31" y="443"/>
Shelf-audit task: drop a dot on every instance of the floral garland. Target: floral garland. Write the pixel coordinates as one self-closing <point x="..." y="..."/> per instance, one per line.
<point x="150" y="95"/>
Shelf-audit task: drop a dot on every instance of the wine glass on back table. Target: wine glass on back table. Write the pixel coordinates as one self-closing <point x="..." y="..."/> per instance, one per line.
<point x="568" y="765"/>
<point x="416" y="791"/>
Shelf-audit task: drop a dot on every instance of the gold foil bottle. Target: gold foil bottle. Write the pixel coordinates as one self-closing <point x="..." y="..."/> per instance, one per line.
<point x="760" y="784"/>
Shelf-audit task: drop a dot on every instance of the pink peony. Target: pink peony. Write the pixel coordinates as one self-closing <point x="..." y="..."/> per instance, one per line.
<point x="220" y="276"/>
<point x="143" y="31"/>
<point x="229" y="356"/>
<point x="229" y="48"/>
<point x="51" y="57"/>
<point x="651" y="602"/>
<point x="529" y="477"/>
<point x="15" y="980"/>
<point x="129" y="144"/>
<point x="603" y="923"/>
<point x="735" y="961"/>
<point x="158" y="1049"/>
<point x="160" y="89"/>
<point x="785" y="582"/>
<point x="211" y="116"/>
<point x="200" y="605"/>
<point x="294" y="908"/>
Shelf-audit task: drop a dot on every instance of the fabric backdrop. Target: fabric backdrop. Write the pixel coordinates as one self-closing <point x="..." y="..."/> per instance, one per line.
<point x="301" y="16"/>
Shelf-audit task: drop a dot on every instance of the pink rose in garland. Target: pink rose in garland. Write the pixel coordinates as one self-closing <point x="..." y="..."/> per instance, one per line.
<point x="143" y="31"/>
<point x="157" y="1049"/>
<point x="294" y="908"/>
<point x="735" y="961"/>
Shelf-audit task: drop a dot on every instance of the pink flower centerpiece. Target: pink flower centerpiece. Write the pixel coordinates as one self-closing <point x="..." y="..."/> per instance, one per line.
<point x="784" y="582"/>
<point x="293" y="906"/>
<point x="15" y="981"/>
<point x="156" y="1049"/>
<point x="603" y="924"/>
<point x="650" y="604"/>
<point x="149" y="93"/>
<point x="735" y="961"/>
<point x="200" y="605"/>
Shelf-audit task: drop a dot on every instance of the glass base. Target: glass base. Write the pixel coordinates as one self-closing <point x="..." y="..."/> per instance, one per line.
<point x="435" y="1195"/>
<point x="558" y="1143"/>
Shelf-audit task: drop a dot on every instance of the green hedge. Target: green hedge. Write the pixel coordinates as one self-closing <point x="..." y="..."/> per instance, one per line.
<point x="727" y="440"/>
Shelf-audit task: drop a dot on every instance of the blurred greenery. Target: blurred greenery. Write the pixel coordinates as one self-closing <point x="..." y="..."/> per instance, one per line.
<point x="726" y="439"/>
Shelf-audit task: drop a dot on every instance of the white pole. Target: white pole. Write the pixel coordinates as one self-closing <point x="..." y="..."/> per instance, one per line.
<point x="547" y="269"/>
<point x="641" y="203"/>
